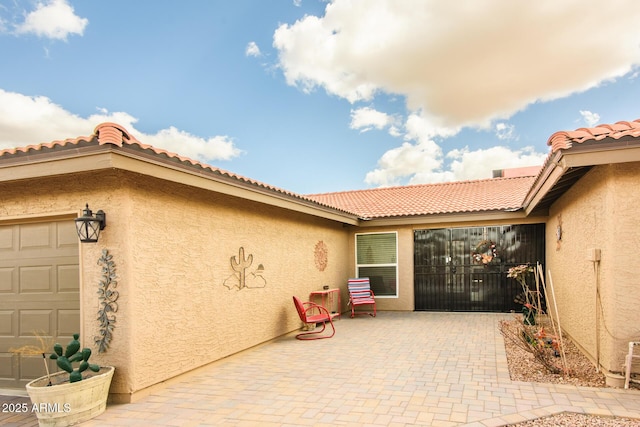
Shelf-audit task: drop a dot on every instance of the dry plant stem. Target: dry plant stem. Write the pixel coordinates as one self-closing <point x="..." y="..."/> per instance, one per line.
<point x="556" y="331"/>
<point x="524" y="337"/>
<point x="559" y="333"/>
<point x="32" y="350"/>
<point x="44" y="360"/>
<point x="524" y="367"/>
<point x="537" y="277"/>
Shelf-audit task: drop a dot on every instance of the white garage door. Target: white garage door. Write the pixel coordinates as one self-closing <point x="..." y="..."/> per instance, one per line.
<point x="39" y="294"/>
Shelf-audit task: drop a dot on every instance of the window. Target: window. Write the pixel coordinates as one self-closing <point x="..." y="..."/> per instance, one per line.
<point x="377" y="259"/>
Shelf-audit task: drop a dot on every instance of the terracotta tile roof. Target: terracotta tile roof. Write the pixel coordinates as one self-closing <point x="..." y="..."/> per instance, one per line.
<point x="489" y="195"/>
<point x="105" y="133"/>
<point x="497" y="194"/>
<point x="114" y="134"/>
<point x="563" y="140"/>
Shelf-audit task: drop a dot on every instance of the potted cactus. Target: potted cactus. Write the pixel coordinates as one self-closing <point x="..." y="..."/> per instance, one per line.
<point x="73" y="395"/>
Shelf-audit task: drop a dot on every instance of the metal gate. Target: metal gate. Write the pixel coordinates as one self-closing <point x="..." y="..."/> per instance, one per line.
<point x="465" y="269"/>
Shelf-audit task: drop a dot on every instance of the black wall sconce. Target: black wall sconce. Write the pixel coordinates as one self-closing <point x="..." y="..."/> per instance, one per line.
<point x="89" y="226"/>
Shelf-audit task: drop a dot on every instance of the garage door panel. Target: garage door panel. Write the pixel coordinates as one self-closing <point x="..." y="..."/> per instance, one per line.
<point x="8" y="366"/>
<point x="36" y="279"/>
<point x="35" y="236"/>
<point x="40" y="321"/>
<point x="7" y="280"/>
<point x="39" y="294"/>
<point x="32" y="367"/>
<point x="67" y="236"/>
<point x="7" y="240"/>
<point x="68" y="321"/>
<point x="8" y="323"/>
<point x="68" y="278"/>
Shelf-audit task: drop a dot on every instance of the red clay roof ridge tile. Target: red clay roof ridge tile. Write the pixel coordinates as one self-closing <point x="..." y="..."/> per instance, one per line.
<point x="112" y="133"/>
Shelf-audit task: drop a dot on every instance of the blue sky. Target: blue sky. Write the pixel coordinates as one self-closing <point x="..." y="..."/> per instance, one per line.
<point x="315" y="96"/>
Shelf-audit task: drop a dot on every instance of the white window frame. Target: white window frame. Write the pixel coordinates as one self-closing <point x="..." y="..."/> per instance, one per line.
<point x="397" y="293"/>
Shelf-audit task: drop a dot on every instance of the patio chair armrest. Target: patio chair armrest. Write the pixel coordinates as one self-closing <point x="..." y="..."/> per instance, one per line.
<point x="311" y="305"/>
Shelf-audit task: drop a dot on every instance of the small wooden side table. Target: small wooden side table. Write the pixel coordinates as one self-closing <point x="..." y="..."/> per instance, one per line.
<point x="329" y="299"/>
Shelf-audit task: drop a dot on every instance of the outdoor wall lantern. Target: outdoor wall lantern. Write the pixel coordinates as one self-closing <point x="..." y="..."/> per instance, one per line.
<point x="89" y="226"/>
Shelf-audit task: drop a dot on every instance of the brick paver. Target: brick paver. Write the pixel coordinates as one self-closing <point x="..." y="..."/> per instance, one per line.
<point x="398" y="369"/>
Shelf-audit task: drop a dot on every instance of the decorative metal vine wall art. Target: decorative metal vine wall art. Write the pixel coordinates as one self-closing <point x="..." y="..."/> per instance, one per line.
<point x="242" y="277"/>
<point x="108" y="298"/>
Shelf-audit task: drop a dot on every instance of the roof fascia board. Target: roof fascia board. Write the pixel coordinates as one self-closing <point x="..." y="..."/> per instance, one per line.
<point x="577" y="156"/>
<point x="601" y="157"/>
<point x="52" y="166"/>
<point x="107" y="157"/>
<point x="484" y="218"/>
<point x="548" y="178"/>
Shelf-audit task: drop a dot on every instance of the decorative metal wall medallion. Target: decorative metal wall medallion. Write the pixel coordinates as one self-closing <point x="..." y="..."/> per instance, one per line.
<point x="242" y="276"/>
<point x="321" y="255"/>
<point x="108" y="301"/>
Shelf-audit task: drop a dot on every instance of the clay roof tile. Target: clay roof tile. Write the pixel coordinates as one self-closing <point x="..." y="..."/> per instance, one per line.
<point x="497" y="194"/>
<point x="564" y="140"/>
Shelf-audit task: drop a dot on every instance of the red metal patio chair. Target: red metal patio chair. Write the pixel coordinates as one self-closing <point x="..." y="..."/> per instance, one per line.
<point x="313" y="313"/>
<point x="360" y="293"/>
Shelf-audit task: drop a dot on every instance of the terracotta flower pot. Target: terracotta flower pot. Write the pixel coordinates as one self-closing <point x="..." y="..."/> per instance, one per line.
<point x="64" y="403"/>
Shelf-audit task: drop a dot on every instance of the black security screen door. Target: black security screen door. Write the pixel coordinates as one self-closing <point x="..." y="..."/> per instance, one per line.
<point x="465" y="269"/>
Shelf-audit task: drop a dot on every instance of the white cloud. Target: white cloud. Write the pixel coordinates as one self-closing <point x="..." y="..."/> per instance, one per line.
<point x="471" y="65"/>
<point x="419" y="154"/>
<point x="462" y="65"/>
<point x="505" y="131"/>
<point x="479" y="164"/>
<point x="368" y="118"/>
<point x="420" y="126"/>
<point x="54" y="19"/>
<point x="186" y="144"/>
<point x="26" y="120"/>
<point x="591" y="119"/>
<point x="423" y="163"/>
<point x="401" y="162"/>
<point x="252" y="49"/>
<point x="297" y="3"/>
<point x="420" y="159"/>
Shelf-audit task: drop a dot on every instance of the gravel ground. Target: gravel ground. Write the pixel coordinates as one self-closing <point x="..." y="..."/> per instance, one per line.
<point x="523" y="367"/>
<point x="578" y="420"/>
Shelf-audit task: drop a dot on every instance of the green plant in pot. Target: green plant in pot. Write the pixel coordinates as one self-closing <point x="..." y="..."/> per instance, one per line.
<point x="76" y="393"/>
<point x="73" y="354"/>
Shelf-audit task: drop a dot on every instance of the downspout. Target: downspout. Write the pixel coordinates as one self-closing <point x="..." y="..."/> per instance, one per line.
<point x="594" y="257"/>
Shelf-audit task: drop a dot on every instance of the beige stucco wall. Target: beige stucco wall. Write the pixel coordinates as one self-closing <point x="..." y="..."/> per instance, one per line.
<point x="598" y="212"/>
<point x="172" y="246"/>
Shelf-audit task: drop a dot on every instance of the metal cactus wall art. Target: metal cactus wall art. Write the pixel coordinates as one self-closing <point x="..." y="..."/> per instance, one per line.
<point x="242" y="277"/>
<point x="108" y="301"/>
<point x="240" y="266"/>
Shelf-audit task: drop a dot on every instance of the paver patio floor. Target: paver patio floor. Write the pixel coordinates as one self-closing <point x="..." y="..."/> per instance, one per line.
<point x="398" y="369"/>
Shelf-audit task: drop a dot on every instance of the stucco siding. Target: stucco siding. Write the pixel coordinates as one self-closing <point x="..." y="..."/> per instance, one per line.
<point x="181" y="304"/>
<point x="190" y="297"/>
<point x="598" y="212"/>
